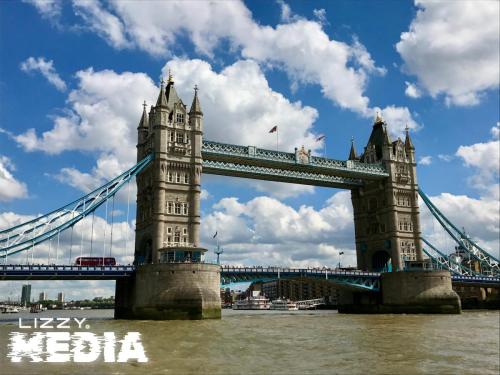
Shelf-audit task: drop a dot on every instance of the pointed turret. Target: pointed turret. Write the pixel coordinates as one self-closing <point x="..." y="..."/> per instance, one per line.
<point x="378" y="135"/>
<point x="352" y="152"/>
<point x="162" y="100"/>
<point x="408" y="142"/>
<point x="170" y="93"/>
<point x="195" y="106"/>
<point x="387" y="138"/>
<point x="144" y="123"/>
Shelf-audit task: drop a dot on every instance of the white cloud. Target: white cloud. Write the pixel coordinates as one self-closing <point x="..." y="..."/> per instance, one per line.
<point x="425" y="160"/>
<point x="479" y="217"/>
<point x="412" y="90"/>
<point x="240" y="107"/>
<point x="10" y="188"/>
<point x="266" y="231"/>
<point x="397" y="118"/>
<point x="320" y="14"/>
<point x="445" y="157"/>
<point x="102" y="22"/>
<point x="102" y="118"/>
<point x="300" y="46"/>
<point x="286" y="12"/>
<point x="46" y="68"/>
<point x="50" y="9"/>
<point x="453" y="49"/>
<point x="485" y="159"/>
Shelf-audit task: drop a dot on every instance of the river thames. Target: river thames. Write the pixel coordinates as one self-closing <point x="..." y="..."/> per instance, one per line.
<point x="316" y="342"/>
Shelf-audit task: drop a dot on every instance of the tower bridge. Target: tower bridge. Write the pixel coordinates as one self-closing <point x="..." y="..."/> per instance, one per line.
<point x="170" y="280"/>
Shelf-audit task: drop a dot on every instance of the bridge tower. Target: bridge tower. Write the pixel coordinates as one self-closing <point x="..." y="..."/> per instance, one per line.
<point x="171" y="281"/>
<point x="386" y="213"/>
<point x="387" y="230"/>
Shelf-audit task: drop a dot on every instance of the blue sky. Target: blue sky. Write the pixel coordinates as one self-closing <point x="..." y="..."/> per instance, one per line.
<point x="73" y="79"/>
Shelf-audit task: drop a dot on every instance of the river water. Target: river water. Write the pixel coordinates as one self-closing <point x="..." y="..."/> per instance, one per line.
<point x="317" y="342"/>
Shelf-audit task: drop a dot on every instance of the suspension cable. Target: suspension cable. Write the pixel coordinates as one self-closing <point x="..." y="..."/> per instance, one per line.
<point x="105" y="225"/>
<point x="128" y="210"/>
<point x="92" y="233"/>
<point x="112" y="223"/>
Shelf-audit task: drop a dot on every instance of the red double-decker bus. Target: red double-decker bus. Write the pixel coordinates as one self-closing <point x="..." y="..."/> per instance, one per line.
<point x="95" y="261"/>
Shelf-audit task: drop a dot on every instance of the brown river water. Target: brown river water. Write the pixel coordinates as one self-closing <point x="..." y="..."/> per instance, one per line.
<point x="316" y="342"/>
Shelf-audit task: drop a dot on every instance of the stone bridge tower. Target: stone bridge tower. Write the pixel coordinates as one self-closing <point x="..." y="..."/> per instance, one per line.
<point x="168" y="192"/>
<point x="171" y="281"/>
<point x="386" y="213"/>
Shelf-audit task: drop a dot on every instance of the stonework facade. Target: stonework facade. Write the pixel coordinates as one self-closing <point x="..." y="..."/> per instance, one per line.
<point x="386" y="213"/>
<point x="168" y="191"/>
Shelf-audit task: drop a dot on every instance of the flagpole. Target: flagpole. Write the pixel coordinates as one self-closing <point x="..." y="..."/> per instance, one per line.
<point x="277" y="132"/>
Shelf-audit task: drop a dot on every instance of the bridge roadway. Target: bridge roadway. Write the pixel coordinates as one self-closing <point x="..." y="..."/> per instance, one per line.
<point x="356" y="280"/>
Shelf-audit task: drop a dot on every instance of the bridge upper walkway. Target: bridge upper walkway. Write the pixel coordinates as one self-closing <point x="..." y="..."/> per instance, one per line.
<point x="257" y="163"/>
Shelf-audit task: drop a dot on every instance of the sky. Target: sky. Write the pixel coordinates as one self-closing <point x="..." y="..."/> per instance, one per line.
<point x="74" y="77"/>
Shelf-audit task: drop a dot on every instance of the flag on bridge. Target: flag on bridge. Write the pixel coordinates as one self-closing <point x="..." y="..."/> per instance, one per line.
<point x="215" y="235"/>
<point x="273" y="129"/>
<point x="341" y="253"/>
<point x="321" y="137"/>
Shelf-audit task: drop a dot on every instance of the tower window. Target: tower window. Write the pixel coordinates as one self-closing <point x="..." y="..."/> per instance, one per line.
<point x="170" y="177"/>
<point x="177" y="237"/>
<point x="185" y="208"/>
<point x="178" y="178"/>
<point x="172" y="136"/>
<point x="186" y="178"/>
<point x="170" y="207"/>
<point x="179" y="137"/>
<point x="179" y="117"/>
<point x="185" y="231"/>
<point x="178" y="208"/>
<point x="169" y="230"/>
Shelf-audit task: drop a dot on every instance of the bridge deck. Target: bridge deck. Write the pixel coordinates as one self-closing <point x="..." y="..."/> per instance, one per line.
<point x="350" y="279"/>
<point x="53" y="272"/>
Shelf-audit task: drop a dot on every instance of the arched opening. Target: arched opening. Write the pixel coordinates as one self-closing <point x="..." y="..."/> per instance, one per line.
<point x="381" y="262"/>
<point x="144" y="252"/>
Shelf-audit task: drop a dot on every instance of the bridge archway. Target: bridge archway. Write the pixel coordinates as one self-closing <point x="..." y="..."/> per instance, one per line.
<point x="381" y="261"/>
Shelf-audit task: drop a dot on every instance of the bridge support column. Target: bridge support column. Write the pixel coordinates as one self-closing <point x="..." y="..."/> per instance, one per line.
<point x="413" y="292"/>
<point x="169" y="291"/>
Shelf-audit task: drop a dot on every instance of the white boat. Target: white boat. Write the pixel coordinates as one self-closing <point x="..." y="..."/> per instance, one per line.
<point x="10" y="310"/>
<point x="282" y="304"/>
<point x="255" y="302"/>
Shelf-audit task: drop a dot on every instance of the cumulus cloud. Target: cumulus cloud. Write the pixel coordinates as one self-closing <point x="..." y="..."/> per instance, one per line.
<point x="46" y="69"/>
<point x="484" y="158"/>
<point x="10" y="187"/>
<point x="300" y="47"/>
<point x="102" y="117"/>
<point x="267" y="231"/>
<point x="445" y="157"/>
<point x="452" y="47"/>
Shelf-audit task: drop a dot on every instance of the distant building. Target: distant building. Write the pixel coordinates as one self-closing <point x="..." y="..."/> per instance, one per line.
<point x="26" y="295"/>
<point x="298" y="289"/>
<point x="42" y="297"/>
<point x="60" y="297"/>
